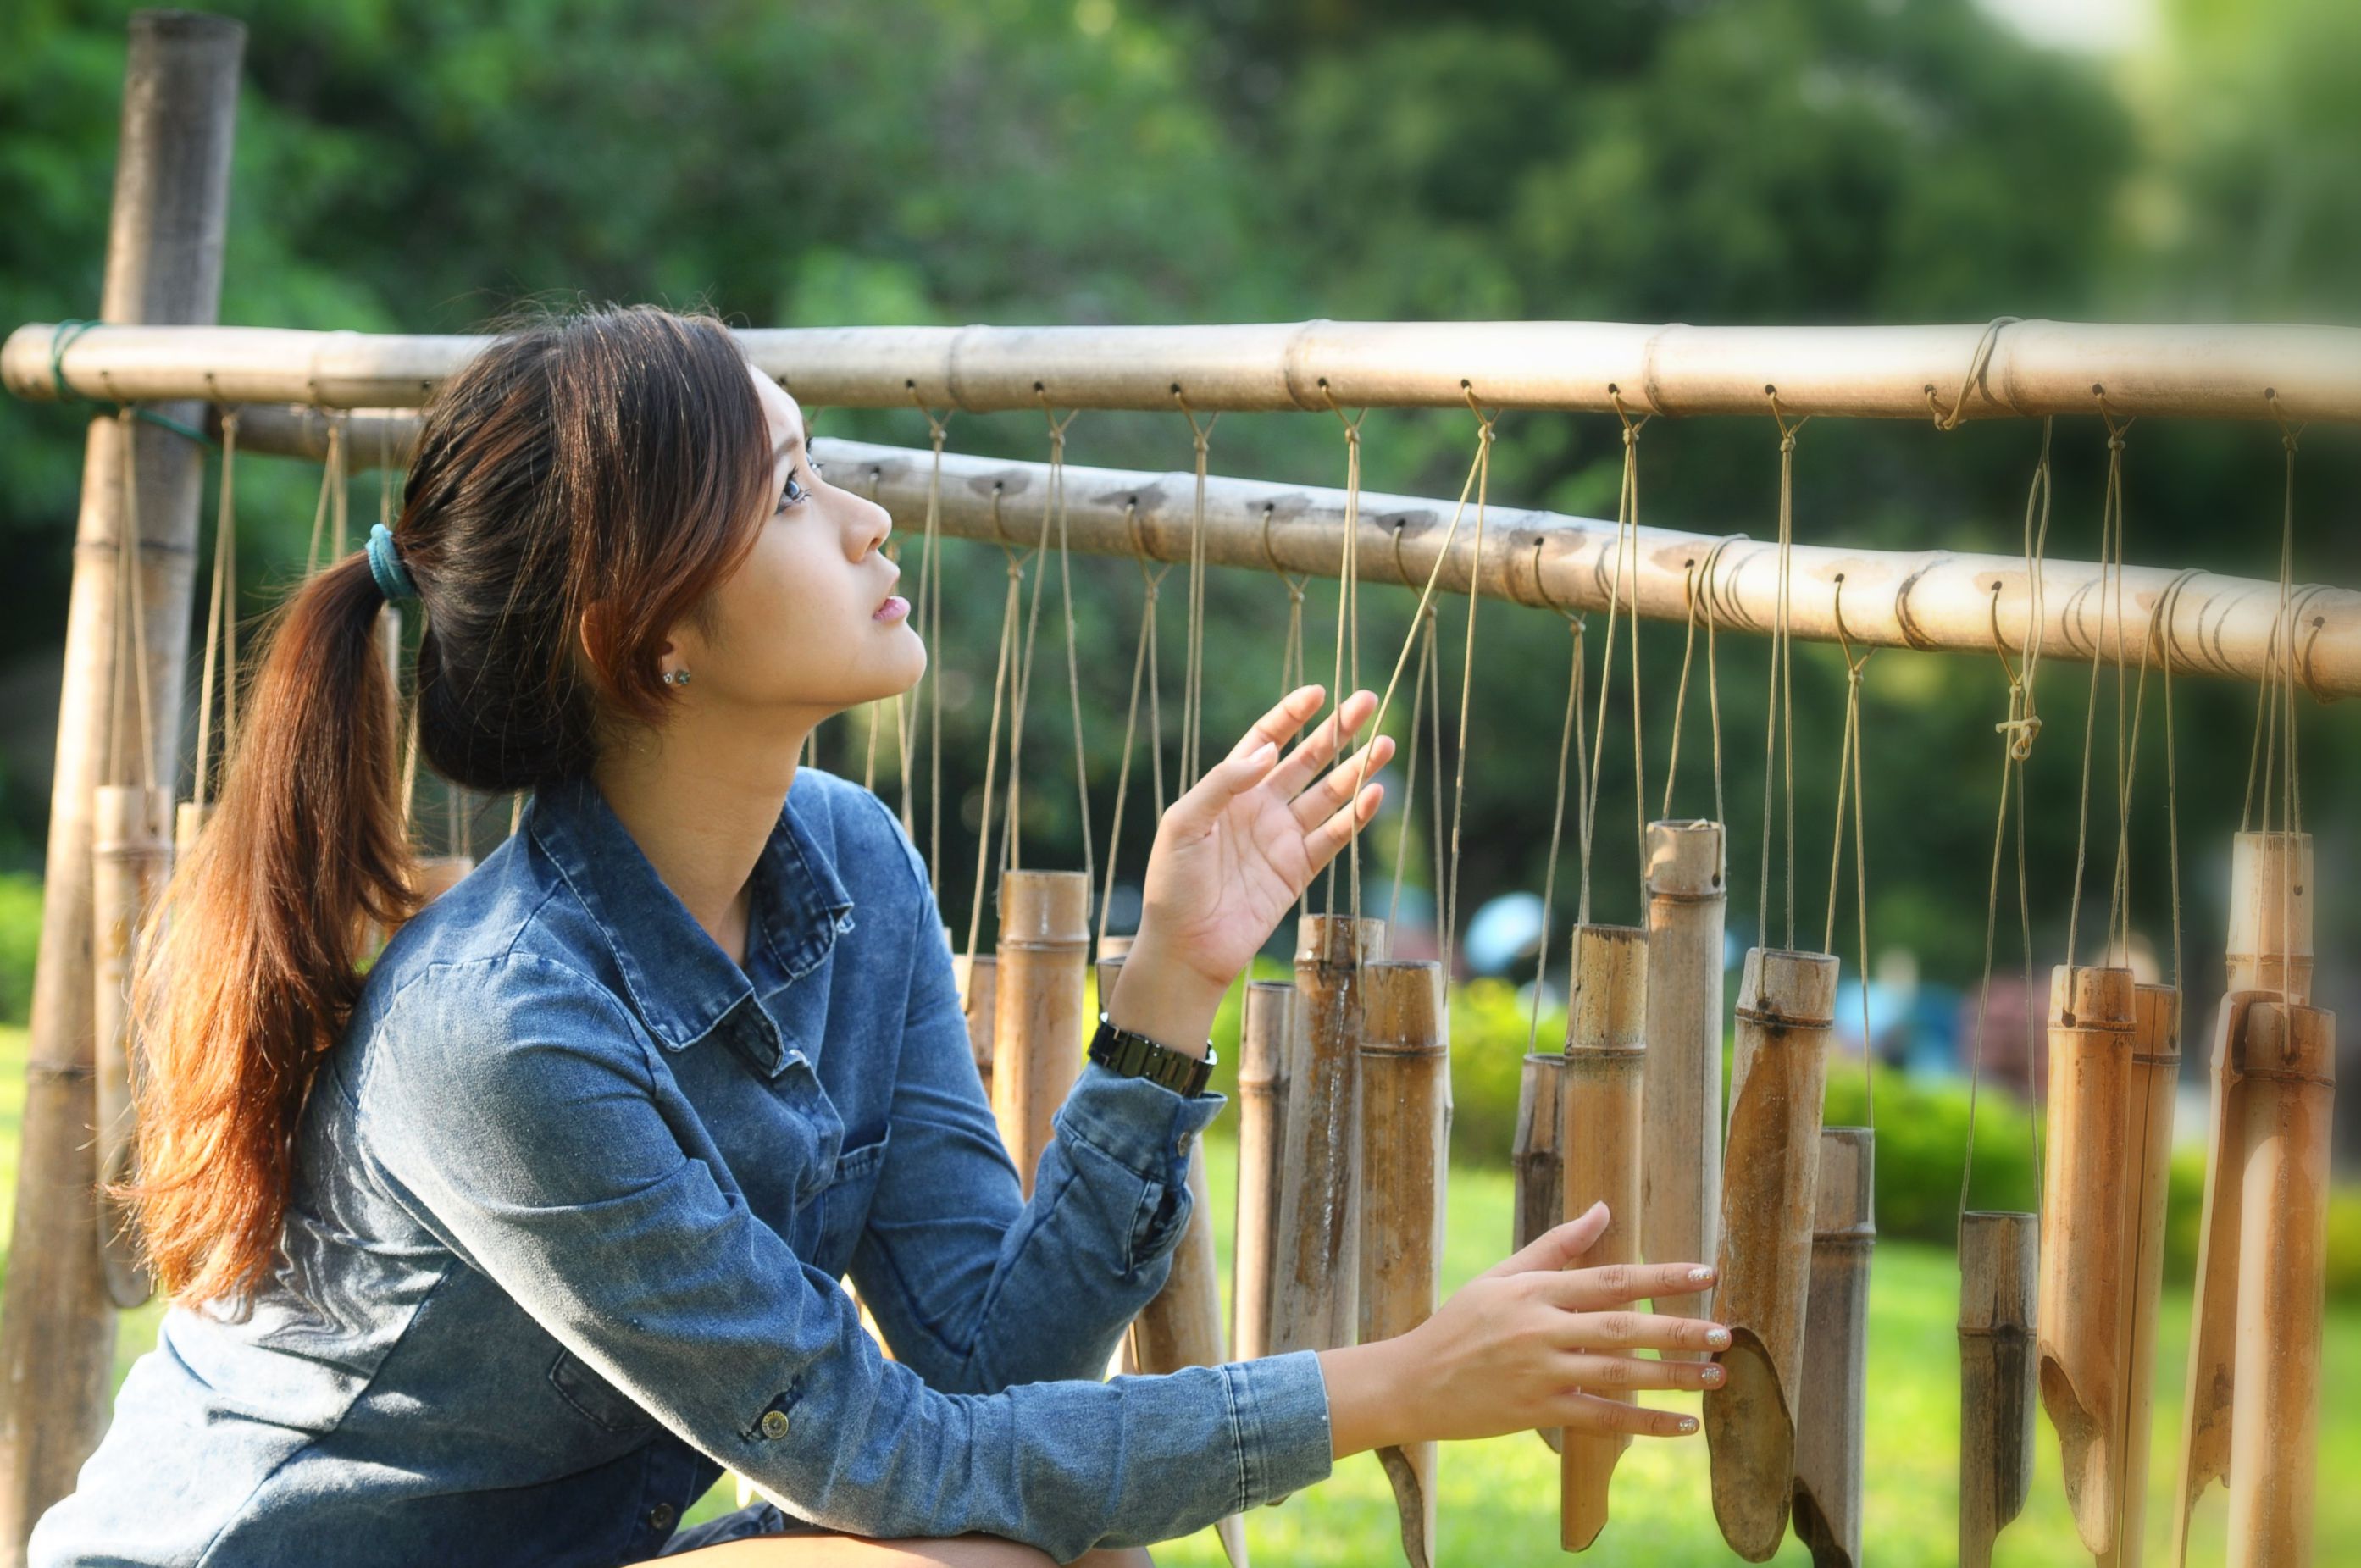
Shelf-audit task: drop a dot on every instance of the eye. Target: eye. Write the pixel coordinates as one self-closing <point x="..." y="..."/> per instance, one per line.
<point x="794" y="492"/>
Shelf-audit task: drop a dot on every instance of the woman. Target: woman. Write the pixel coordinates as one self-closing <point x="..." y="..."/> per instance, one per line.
<point x="499" y="1252"/>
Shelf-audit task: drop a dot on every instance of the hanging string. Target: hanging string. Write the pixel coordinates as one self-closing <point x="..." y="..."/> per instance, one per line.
<point x="1626" y="524"/>
<point x="2110" y="556"/>
<point x="1484" y="433"/>
<point x="1781" y="720"/>
<point x="2017" y="732"/>
<point x="1425" y="634"/>
<point x="1192" y="700"/>
<point x="1016" y="560"/>
<point x="1292" y="674"/>
<point x="1849" y="768"/>
<point x="1697" y="586"/>
<point x="1348" y="622"/>
<point x="221" y="618"/>
<point x="1142" y="662"/>
<point x="1570" y="731"/>
<point x="930" y="611"/>
<point x="1052" y="493"/>
<point x="131" y="618"/>
<point x="1065" y="601"/>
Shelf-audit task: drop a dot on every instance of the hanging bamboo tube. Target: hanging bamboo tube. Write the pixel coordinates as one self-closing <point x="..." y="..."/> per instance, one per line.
<point x="189" y="819"/>
<point x="975" y="979"/>
<point x="1405" y="1130"/>
<point x="1835" y="1351"/>
<point x="130" y="852"/>
<point x="1680" y="1194"/>
<point x="2289" y="1065"/>
<point x="1770" y="1185"/>
<point x="2270" y="913"/>
<point x="1262" y="1116"/>
<point x="2155" y="1073"/>
<point x="1037" y="1041"/>
<point x="1599" y="1141"/>
<point x="2085" y="1259"/>
<point x="1540" y="1169"/>
<point x="1315" y="1273"/>
<point x="2000" y="1268"/>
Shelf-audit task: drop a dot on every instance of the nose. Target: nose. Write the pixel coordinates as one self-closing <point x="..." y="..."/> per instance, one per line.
<point x="877" y="524"/>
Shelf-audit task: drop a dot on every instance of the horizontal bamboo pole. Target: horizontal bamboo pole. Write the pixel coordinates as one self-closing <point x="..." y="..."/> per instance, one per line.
<point x="2017" y="368"/>
<point x="1931" y="599"/>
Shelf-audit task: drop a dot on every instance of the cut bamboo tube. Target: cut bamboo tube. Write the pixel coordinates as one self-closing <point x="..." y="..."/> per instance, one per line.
<point x="1316" y="1276"/>
<point x="2290" y="1069"/>
<point x="2214" y="1304"/>
<point x="1680" y="1194"/>
<point x="2000" y="1268"/>
<point x="1836" y="1349"/>
<point x="2085" y="1260"/>
<point x="131" y="853"/>
<point x="1262" y="1116"/>
<point x="1770" y="1184"/>
<point x="1037" y="1041"/>
<point x="2270" y="913"/>
<point x="1599" y="1141"/>
<point x="189" y="820"/>
<point x="1539" y="1170"/>
<point x="2023" y="369"/>
<point x="1405" y="1132"/>
<point x="976" y="979"/>
<point x="1936" y="599"/>
<point x="2155" y="1075"/>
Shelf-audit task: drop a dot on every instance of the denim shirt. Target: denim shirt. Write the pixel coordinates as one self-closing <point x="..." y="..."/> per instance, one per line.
<point x="575" y="1193"/>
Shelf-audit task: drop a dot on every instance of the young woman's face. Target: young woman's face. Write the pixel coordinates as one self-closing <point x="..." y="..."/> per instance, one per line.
<point x="797" y="631"/>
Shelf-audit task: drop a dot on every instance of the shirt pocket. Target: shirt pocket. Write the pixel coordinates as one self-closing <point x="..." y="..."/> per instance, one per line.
<point x="830" y="1225"/>
<point x="594" y="1397"/>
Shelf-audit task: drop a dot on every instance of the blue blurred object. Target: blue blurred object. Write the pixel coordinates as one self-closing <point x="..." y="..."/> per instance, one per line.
<point x="1501" y="931"/>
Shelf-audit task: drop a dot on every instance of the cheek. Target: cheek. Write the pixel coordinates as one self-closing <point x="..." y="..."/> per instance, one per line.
<point x="782" y="598"/>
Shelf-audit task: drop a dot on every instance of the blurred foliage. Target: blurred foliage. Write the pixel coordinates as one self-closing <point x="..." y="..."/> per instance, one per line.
<point x="20" y="944"/>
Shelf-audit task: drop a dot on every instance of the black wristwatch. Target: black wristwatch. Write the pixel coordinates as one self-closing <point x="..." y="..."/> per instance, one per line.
<point x="1137" y="1056"/>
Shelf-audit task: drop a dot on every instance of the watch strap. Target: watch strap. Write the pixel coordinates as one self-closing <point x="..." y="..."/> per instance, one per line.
<point x="1134" y="1054"/>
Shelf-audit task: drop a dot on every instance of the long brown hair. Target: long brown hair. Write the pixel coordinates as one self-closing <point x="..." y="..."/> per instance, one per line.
<point x="580" y="487"/>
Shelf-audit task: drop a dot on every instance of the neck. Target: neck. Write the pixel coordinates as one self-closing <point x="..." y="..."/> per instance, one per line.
<point x="700" y="799"/>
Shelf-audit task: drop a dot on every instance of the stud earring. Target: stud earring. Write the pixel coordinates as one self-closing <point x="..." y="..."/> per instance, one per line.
<point x="676" y="677"/>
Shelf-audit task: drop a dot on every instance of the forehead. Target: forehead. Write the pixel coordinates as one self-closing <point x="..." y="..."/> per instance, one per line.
<point x="780" y="410"/>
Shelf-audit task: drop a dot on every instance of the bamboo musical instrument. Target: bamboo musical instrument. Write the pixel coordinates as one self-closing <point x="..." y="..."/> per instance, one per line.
<point x="2155" y="1073"/>
<point x="189" y="820"/>
<point x="1680" y="1194"/>
<point x="2270" y="946"/>
<point x="976" y="979"/>
<point x="1599" y="1135"/>
<point x="131" y="853"/>
<point x="1037" y="1039"/>
<point x="1315" y="1271"/>
<point x="2000" y="1267"/>
<point x="1770" y="1185"/>
<point x="1828" y="1496"/>
<point x="1539" y="1170"/>
<point x="2085" y="1260"/>
<point x="1405" y="1069"/>
<point x="1262" y="1116"/>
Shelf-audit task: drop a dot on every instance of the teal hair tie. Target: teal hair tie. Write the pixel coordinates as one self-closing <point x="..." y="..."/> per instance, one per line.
<point x="394" y="579"/>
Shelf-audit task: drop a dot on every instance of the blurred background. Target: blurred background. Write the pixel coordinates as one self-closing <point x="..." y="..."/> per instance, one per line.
<point x="416" y="167"/>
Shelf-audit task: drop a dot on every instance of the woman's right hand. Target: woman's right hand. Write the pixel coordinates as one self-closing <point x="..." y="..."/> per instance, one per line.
<point x="1518" y="1346"/>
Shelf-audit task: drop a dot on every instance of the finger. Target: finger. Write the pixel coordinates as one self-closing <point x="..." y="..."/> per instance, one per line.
<point x="1558" y="1246"/>
<point x="1577" y="1412"/>
<point x="1614" y="1284"/>
<point x="1323" y="742"/>
<point x="1320" y="845"/>
<point x="1620" y="1374"/>
<point x="1210" y="795"/>
<point x="1282" y="721"/>
<point x="1641" y="1331"/>
<point x="1330" y="793"/>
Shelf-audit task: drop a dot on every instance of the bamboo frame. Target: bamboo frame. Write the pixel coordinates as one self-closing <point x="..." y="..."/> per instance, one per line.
<point x="2085" y="1264"/>
<point x="2000" y="1268"/>
<point x="1262" y="1119"/>
<point x="1933" y="600"/>
<point x="131" y="854"/>
<point x="1945" y="373"/>
<point x="1600" y="1142"/>
<point x="2155" y="1074"/>
<point x="1828" y="1492"/>
<point x="1770" y="1187"/>
<point x="1688" y="892"/>
<point x="1315" y="1279"/>
<point x="1405" y="1132"/>
<point x="1037" y="1050"/>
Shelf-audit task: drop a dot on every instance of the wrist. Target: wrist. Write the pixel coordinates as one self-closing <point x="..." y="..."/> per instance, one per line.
<point x="1368" y="1399"/>
<point x="1163" y="998"/>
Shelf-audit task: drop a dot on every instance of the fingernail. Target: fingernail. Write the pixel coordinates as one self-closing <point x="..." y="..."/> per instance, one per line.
<point x="1688" y="1423"/>
<point x="1712" y="1376"/>
<point x="1699" y="1275"/>
<point x="1718" y="1338"/>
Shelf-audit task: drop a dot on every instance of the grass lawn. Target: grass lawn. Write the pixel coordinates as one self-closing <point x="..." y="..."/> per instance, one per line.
<point x="1499" y="1496"/>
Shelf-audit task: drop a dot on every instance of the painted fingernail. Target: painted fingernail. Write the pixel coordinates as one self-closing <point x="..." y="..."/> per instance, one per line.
<point x="1688" y="1423"/>
<point x="1711" y="1377"/>
<point x="1699" y="1275"/>
<point x="1718" y="1338"/>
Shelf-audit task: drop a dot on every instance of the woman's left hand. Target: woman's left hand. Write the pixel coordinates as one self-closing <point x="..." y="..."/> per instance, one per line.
<point x="1234" y="854"/>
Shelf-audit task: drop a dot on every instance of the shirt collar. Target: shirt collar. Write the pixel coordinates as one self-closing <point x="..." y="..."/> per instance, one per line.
<point x="678" y="980"/>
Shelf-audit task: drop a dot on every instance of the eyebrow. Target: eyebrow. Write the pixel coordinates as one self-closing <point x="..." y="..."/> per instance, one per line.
<point x="791" y="438"/>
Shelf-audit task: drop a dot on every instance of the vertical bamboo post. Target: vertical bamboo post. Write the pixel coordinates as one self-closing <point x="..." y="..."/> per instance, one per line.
<point x="2000" y="1269"/>
<point x="1540" y="1171"/>
<point x="1828" y="1496"/>
<point x="1405" y="1077"/>
<point x="163" y="266"/>
<point x="2289" y="1069"/>
<point x="1680" y="1194"/>
<point x="1262" y="1115"/>
<point x="1315" y="1274"/>
<point x="2155" y="1073"/>
<point x="1599" y="1135"/>
<point x="130" y="857"/>
<point x="1770" y="1185"/>
<point x="2084" y="1258"/>
<point x="978" y="991"/>
<point x="1037" y="1041"/>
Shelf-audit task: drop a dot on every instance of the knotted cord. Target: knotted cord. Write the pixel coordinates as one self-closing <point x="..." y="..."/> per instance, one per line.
<point x="1143" y="660"/>
<point x="1570" y="733"/>
<point x="1627" y="526"/>
<point x="1780" y="723"/>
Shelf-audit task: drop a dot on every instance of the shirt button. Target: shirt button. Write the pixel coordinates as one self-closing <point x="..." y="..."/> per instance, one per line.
<point x="1186" y="1138"/>
<point x="662" y="1515"/>
<point x="774" y="1424"/>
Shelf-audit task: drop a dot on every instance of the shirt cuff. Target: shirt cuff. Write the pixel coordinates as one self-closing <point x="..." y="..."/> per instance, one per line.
<point x="1138" y="1122"/>
<point x="1279" y="1411"/>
